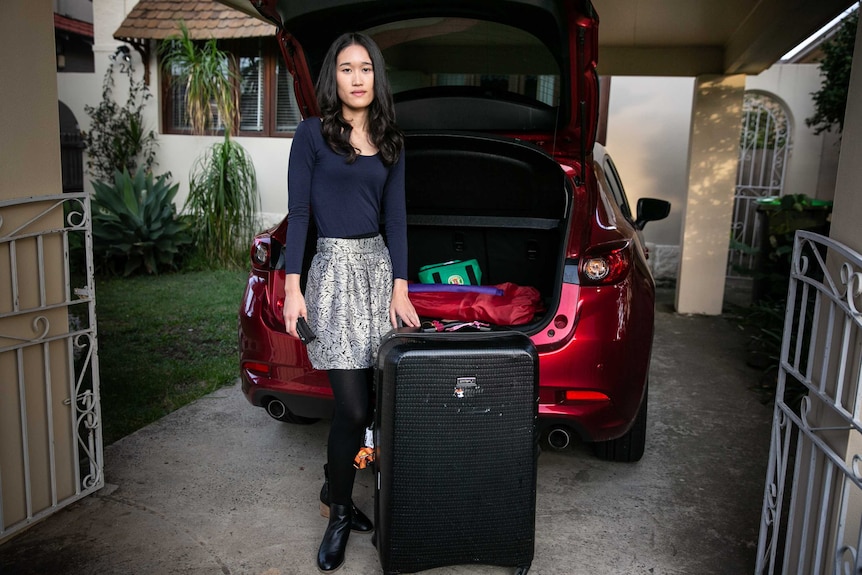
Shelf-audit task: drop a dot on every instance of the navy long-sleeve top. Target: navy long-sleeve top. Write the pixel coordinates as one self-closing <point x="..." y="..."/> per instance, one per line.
<point x="347" y="200"/>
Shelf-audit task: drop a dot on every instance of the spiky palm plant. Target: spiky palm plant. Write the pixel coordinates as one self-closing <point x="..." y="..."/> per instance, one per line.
<point x="223" y="196"/>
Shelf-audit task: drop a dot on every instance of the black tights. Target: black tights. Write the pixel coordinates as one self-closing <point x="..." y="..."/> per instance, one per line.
<point x="352" y="391"/>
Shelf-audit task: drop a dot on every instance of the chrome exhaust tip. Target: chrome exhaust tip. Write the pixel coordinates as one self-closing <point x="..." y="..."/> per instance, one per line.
<point x="276" y="409"/>
<point x="559" y="438"/>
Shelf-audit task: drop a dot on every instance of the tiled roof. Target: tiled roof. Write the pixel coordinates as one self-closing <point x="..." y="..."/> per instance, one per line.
<point x="205" y="19"/>
<point x="71" y="25"/>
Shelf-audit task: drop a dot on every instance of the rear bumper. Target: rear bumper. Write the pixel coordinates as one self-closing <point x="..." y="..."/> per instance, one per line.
<point x="297" y="397"/>
<point x="611" y="358"/>
<point x="274" y="364"/>
<point x="608" y="352"/>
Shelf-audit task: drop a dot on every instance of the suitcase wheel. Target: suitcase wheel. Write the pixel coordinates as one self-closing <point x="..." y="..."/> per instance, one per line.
<point x="522" y="570"/>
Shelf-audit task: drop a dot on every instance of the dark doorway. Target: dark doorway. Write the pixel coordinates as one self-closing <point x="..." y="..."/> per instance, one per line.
<point x="71" y="151"/>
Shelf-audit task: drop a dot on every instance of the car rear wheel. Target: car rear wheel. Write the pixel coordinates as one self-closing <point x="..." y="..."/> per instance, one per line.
<point x="630" y="447"/>
<point x="277" y="410"/>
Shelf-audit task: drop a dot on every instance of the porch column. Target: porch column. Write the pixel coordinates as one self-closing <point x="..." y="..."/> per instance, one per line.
<point x="836" y="361"/>
<point x="847" y="209"/>
<point x="846" y="228"/>
<point x="38" y="464"/>
<point x="708" y="211"/>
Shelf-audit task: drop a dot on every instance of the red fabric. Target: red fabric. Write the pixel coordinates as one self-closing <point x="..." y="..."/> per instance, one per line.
<point x="516" y="306"/>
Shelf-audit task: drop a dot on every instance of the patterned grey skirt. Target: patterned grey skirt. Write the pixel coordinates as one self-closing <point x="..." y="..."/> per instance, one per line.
<point x="347" y="295"/>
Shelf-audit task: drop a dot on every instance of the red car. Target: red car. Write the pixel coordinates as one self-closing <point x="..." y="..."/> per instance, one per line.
<point x="499" y="103"/>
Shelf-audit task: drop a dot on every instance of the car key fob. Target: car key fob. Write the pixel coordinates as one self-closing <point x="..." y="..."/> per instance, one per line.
<point x="304" y="331"/>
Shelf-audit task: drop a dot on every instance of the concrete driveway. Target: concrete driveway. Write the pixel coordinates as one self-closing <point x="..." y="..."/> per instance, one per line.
<point x="219" y="488"/>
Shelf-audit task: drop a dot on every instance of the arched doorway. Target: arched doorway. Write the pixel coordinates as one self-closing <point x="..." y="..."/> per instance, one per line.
<point x="764" y="151"/>
<point x="71" y="151"/>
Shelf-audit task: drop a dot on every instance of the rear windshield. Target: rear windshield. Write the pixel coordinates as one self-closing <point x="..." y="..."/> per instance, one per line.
<point x="459" y="57"/>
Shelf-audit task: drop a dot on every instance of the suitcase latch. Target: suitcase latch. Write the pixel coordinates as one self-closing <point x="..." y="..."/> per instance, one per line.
<point x="466" y="387"/>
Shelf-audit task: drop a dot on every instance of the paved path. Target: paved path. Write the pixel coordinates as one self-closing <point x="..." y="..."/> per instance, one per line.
<point x="219" y="488"/>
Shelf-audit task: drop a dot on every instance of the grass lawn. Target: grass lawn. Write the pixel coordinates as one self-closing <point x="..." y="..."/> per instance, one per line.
<point x="164" y="341"/>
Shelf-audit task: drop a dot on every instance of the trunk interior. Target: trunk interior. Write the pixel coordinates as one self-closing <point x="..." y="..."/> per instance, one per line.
<point x="499" y="201"/>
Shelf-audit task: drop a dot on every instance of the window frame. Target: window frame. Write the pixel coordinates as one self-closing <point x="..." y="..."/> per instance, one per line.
<point x="617" y="190"/>
<point x="237" y="48"/>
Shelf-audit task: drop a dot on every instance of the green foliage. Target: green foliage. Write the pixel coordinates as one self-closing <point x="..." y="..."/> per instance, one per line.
<point x="764" y="322"/>
<point x="135" y="223"/>
<point x="764" y="319"/>
<point x="830" y="100"/>
<point x="208" y="76"/>
<point x="184" y="324"/>
<point x="223" y="201"/>
<point x="791" y="213"/>
<point x="118" y="138"/>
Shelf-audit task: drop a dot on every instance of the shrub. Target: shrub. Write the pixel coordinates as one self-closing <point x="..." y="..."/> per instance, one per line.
<point x="764" y="319"/>
<point x="135" y="224"/>
<point x="830" y="100"/>
<point x="223" y="203"/>
<point x="118" y="138"/>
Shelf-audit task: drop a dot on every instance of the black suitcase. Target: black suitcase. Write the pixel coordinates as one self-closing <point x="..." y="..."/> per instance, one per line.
<point x="456" y="449"/>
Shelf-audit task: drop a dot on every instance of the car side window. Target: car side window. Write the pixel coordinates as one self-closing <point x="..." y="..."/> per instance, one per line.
<point x="617" y="189"/>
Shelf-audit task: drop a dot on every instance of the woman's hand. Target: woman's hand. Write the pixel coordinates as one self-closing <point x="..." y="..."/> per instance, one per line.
<point x="400" y="307"/>
<point x="294" y="303"/>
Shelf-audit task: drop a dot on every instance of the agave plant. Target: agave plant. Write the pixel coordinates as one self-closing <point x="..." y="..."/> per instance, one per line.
<point x="135" y="223"/>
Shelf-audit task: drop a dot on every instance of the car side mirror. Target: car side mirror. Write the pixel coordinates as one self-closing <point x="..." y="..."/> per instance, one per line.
<point x="650" y="210"/>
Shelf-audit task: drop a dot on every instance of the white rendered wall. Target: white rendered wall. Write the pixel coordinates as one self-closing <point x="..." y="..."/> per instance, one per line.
<point x="793" y="84"/>
<point x="648" y="136"/>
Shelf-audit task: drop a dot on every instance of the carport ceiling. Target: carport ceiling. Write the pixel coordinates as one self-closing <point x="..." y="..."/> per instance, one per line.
<point x="695" y="37"/>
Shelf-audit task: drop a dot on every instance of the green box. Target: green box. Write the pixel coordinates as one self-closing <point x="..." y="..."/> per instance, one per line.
<point x="456" y="272"/>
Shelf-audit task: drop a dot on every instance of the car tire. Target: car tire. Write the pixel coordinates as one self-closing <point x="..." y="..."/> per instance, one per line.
<point x="277" y="410"/>
<point x="630" y="447"/>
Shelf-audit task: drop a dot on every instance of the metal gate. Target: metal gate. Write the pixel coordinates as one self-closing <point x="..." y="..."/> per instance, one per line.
<point x="50" y="432"/>
<point x="812" y="509"/>
<point x="764" y="149"/>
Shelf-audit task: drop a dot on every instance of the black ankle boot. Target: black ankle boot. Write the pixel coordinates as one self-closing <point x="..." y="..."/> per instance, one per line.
<point x="330" y="556"/>
<point x="359" y="523"/>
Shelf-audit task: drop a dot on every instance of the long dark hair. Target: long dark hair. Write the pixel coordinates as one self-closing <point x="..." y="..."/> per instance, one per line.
<point x="382" y="130"/>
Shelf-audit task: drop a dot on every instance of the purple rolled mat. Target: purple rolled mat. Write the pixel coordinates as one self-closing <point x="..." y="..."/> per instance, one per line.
<point x="419" y="288"/>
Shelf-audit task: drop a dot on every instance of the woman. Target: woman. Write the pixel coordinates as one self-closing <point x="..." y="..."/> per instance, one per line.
<point x="347" y="169"/>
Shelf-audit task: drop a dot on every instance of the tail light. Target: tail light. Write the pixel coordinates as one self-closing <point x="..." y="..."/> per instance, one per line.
<point x="606" y="264"/>
<point x="260" y="253"/>
<point x="577" y="395"/>
<point x="257" y="367"/>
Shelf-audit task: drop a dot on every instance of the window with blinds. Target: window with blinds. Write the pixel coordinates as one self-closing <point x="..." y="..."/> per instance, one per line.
<point x="251" y="94"/>
<point x="178" y="111"/>
<point x="267" y="105"/>
<point x="287" y="115"/>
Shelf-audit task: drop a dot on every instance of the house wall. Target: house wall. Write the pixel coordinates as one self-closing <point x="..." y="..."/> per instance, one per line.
<point x="77" y="90"/>
<point x="648" y="137"/>
<point x="32" y="390"/>
<point x="793" y="84"/>
<point x="77" y="9"/>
